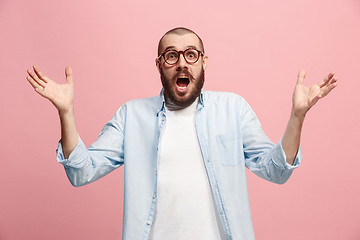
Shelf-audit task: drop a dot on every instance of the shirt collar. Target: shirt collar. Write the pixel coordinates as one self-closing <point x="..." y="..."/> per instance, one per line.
<point x="162" y="106"/>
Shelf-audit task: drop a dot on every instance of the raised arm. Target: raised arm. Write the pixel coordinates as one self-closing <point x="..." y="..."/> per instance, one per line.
<point x="303" y="99"/>
<point x="61" y="96"/>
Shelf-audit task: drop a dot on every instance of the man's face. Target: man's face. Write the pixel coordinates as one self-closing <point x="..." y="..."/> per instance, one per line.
<point x="182" y="81"/>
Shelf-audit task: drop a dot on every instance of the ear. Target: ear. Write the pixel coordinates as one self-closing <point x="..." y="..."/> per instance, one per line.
<point x="158" y="64"/>
<point x="205" y="61"/>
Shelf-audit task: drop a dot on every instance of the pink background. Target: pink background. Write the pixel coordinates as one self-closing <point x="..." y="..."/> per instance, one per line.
<point x="255" y="47"/>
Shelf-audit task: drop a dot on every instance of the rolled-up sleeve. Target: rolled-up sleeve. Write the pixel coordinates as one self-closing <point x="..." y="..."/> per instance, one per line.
<point x="77" y="156"/>
<point x="86" y="165"/>
<point x="262" y="156"/>
<point x="279" y="157"/>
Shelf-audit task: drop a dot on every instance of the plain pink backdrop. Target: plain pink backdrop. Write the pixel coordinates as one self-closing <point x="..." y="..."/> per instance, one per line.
<point x="255" y="47"/>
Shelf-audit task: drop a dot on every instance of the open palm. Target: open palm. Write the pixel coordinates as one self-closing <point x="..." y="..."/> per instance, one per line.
<point x="61" y="95"/>
<point x="305" y="97"/>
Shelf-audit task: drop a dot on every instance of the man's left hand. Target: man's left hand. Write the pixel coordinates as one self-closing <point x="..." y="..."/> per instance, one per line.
<point x="305" y="97"/>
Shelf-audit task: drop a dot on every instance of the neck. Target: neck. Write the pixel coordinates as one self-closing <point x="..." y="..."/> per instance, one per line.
<point x="171" y="106"/>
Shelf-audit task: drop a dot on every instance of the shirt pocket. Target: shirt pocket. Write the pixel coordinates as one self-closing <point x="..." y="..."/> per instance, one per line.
<point x="230" y="148"/>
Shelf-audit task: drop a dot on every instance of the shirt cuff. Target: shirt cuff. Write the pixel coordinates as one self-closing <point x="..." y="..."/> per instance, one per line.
<point x="279" y="157"/>
<point x="76" y="157"/>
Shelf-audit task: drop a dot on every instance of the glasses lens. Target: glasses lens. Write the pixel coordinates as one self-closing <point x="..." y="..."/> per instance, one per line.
<point x="171" y="57"/>
<point x="191" y="55"/>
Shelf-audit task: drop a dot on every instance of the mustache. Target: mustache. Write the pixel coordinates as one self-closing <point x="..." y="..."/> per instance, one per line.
<point x="184" y="72"/>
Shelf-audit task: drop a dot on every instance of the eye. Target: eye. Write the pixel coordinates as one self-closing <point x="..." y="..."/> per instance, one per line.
<point x="191" y="54"/>
<point x="171" y="55"/>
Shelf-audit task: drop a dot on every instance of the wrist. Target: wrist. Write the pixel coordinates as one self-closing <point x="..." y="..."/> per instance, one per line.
<point x="296" y="117"/>
<point x="63" y="113"/>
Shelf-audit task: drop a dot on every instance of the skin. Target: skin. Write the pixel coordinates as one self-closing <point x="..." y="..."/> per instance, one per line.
<point x="303" y="99"/>
<point x="62" y="95"/>
<point x="170" y="73"/>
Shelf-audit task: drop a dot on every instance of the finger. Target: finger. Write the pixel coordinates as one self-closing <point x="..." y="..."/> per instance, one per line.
<point x="33" y="83"/>
<point x="301" y="76"/>
<point x="333" y="80"/>
<point x="326" y="79"/>
<point x="326" y="90"/>
<point x="35" y="78"/>
<point x="39" y="89"/>
<point x="68" y="74"/>
<point x="40" y="74"/>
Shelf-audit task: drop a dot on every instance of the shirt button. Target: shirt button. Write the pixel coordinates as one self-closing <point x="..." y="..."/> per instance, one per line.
<point x="148" y="222"/>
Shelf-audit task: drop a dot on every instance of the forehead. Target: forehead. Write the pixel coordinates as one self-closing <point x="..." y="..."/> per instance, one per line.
<point x="180" y="42"/>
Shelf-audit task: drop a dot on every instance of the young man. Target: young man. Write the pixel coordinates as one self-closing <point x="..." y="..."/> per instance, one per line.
<point x="184" y="151"/>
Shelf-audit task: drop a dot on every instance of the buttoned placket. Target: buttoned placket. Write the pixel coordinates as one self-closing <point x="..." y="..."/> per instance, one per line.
<point x="161" y="119"/>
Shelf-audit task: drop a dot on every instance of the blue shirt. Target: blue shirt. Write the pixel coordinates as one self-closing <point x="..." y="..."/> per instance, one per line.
<point x="230" y="138"/>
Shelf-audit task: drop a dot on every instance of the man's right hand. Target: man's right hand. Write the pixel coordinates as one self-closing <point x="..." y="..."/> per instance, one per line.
<point x="61" y="95"/>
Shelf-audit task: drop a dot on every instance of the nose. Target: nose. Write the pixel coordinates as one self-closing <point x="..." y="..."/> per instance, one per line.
<point x="182" y="62"/>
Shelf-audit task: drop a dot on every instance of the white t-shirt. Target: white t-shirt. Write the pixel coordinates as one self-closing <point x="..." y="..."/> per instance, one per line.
<point x="185" y="207"/>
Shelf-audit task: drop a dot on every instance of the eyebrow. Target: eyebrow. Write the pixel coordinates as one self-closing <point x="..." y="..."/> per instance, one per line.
<point x="173" y="47"/>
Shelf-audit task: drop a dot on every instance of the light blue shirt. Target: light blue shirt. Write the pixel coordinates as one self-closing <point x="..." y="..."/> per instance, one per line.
<point x="230" y="138"/>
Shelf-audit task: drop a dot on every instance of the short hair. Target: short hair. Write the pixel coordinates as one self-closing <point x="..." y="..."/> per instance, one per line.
<point x="180" y="31"/>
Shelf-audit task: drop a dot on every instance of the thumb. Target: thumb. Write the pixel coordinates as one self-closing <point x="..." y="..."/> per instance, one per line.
<point x="68" y="74"/>
<point x="301" y="76"/>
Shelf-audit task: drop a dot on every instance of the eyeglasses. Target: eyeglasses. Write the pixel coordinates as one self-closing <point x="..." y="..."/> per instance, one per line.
<point x="172" y="56"/>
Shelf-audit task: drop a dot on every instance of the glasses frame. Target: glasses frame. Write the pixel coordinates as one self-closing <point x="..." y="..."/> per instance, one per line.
<point x="200" y="53"/>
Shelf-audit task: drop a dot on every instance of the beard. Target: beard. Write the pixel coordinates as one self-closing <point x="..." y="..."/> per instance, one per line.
<point x="178" y="101"/>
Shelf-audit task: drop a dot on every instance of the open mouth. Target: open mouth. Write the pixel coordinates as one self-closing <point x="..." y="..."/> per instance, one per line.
<point x="182" y="83"/>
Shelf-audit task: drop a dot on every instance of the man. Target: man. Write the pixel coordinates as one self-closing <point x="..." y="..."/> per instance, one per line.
<point x="185" y="151"/>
